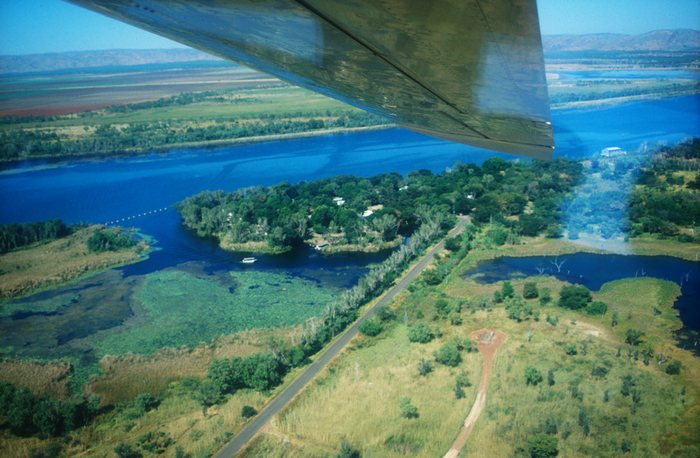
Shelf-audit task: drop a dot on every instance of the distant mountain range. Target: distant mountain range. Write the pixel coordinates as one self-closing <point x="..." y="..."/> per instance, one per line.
<point x="108" y="58"/>
<point x="658" y="40"/>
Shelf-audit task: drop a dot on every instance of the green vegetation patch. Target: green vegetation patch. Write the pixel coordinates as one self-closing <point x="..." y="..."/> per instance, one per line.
<point x="181" y="309"/>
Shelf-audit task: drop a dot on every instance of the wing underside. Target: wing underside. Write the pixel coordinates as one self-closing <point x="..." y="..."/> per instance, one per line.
<point x="470" y="71"/>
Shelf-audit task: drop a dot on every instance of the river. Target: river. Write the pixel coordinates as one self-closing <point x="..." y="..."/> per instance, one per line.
<point x="140" y="191"/>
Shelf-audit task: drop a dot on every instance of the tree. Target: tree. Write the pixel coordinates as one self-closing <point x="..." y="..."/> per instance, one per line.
<point x="370" y="328"/>
<point x="532" y="376"/>
<point x="530" y="290"/>
<point x="124" y="450"/>
<point x="453" y="244"/>
<point x="550" y="377"/>
<point x="248" y="411"/>
<point x="574" y="297"/>
<point x="596" y="308"/>
<point x="542" y="446"/>
<point x="507" y="290"/>
<point x="674" y="367"/>
<point x="448" y="354"/>
<point x="634" y="336"/>
<point x="420" y="333"/>
<point x="407" y="409"/>
<point x="570" y="349"/>
<point x="459" y="392"/>
<point x="208" y="395"/>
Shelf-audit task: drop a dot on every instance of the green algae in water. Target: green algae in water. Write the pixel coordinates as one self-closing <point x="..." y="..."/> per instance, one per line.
<point x="179" y="309"/>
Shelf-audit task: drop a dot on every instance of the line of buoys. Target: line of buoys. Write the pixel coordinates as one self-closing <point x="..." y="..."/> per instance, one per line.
<point x="128" y="218"/>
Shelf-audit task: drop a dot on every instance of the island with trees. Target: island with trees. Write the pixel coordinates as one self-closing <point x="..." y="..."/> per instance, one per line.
<point x="347" y="213"/>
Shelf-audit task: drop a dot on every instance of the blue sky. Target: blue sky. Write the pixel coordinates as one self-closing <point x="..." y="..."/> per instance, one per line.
<point x="38" y="26"/>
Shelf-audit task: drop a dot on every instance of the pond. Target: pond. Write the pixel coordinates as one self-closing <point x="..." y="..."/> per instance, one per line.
<point x="593" y="270"/>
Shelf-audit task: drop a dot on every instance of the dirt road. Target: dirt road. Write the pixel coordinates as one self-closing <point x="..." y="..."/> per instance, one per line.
<point x="488" y="342"/>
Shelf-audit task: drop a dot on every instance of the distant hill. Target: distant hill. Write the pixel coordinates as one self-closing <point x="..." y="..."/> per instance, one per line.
<point x="658" y="40"/>
<point x="86" y="59"/>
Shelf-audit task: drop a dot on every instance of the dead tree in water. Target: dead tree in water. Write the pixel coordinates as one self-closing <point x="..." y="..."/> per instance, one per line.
<point x="557" y="263"/>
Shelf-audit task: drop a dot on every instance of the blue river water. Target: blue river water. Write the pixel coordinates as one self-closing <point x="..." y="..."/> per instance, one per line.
<point x="140" y="191"/>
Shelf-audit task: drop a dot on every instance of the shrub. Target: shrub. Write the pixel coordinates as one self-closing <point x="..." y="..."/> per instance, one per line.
<point x="420" y="333"/>
<point x="408" y="410"/>
<point x="634" y="336"/>
<point x="570" y="349"/>
<point x="453" y="243"/>
<point x="424" y="367"/>
<point x="371" y="328"/>
<point x="596" y="308"/>
<point x="532" y="376"/>
<point x="124" y="450"/>
<point x="542" y="446"/>
<point x="674" y="367"/>
<point x="574" y="297"/>
<point x="348" y="451"/>
<point x="455" y="319"/>
<point x="599" y="371"/>
<point x="530" y="290"/>
<point x="248" y="412"/>
<point x="385" y="314"/>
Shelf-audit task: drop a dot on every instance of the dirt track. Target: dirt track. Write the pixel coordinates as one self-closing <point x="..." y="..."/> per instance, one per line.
<point x="488" y="342"/>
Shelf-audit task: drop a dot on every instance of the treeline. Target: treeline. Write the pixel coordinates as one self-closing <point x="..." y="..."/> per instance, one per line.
<point x="106" y="138"/>
<point x="523" y="198"/>
<point x="666" y="201"/>
<point x="263" y="371"/>
<point x="621" y="92"/>
<point x="25" y="414"/>
<point x="13" y="236"/>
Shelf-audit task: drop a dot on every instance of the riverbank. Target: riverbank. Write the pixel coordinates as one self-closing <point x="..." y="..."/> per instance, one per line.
<point x="29" y="270"/>
<point x="615" y="101"/>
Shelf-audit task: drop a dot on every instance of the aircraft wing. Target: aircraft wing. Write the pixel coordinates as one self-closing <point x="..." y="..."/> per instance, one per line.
<point x="470" y="71"/>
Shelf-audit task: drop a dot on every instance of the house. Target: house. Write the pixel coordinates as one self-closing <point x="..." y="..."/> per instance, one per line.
<point x="339" y="201"/>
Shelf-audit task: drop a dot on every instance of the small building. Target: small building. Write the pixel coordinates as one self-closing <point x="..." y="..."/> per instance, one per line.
<point x="339" y="201"/>
<point x="371" y="209"/>
<point x="612" y="151"/>
<point x="321" y="246"/>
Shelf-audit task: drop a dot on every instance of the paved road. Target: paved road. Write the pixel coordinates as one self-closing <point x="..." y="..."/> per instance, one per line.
<point x="273" y="407"/>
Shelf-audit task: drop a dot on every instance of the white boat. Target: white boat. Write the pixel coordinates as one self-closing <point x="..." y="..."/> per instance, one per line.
<point x="248" y="260"/>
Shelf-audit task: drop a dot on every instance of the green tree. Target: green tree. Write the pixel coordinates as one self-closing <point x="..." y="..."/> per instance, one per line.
<point x="448" y="354"/>
<point x="420" y="333"/>
<point x="248" y="411"/>
<point x="596" y="308"/>
<point x="634" y="336"/>
<point x="542" y="446"/>
<point x="530" y="290"/>
<point x="371" y="327"/>
<point x="124" y="450"/>
<point x="570" y="349"/>
<point x="507" y="290"/>
<point x="574" y="297"/>
<point x="208" y="395"/>
<point x="550" y="377"/>
<point x="674" y="367"/>
<point x="532" y="376"/>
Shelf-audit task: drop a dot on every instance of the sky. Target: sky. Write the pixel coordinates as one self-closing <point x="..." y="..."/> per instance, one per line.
<point x="42" y="26"/>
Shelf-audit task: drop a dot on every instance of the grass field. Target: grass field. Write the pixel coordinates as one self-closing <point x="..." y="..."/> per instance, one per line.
<point x="29" y="269"/>
<point x="357" y="399"/>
